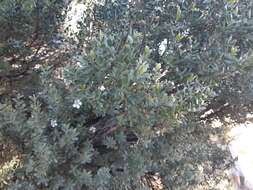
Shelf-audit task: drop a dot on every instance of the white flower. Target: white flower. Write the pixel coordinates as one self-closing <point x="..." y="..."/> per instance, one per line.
<point x="102" y="88"/>
<point x="158" y="132"/>
<point x="79" y="64"/>
<point x="77" y="103"/>
<point x="92" y="129"/>
<point x="67" y="82"/>
<point x="163" y="46"/>
<point x="37" y="66"/>
<point x="53" y="123"/>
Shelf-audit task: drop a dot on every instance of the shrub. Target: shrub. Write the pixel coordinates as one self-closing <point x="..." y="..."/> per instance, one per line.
<point x="103" y="121"/>
<point x="97" y="125"/>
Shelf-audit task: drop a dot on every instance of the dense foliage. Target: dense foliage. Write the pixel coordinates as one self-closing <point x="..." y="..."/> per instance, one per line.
<point x="140" y="68"/>
<point x="26" y="27"/>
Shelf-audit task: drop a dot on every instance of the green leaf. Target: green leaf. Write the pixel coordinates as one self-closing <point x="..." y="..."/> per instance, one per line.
<point x="178" y="15"/>
<point x="102" y="177"/>
<point x="121" y="137"/>
<point x="110" y="142"/>
<point x="142" y="69"/>
<point x="233" y="1"/>
<point x="70" y="136"/>
<point x="158" y="66"/>
<point x="179" y="37"/>
<point x="86" y="153"/>
<point x="234" y="51"/>
<point x="4" y="67"/>
<point x="146" y="51"/>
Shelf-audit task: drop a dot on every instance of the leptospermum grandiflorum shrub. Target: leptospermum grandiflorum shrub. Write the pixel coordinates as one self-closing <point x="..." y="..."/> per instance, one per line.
<point x="103" y="126"/>
<point x="103" y="122"/>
